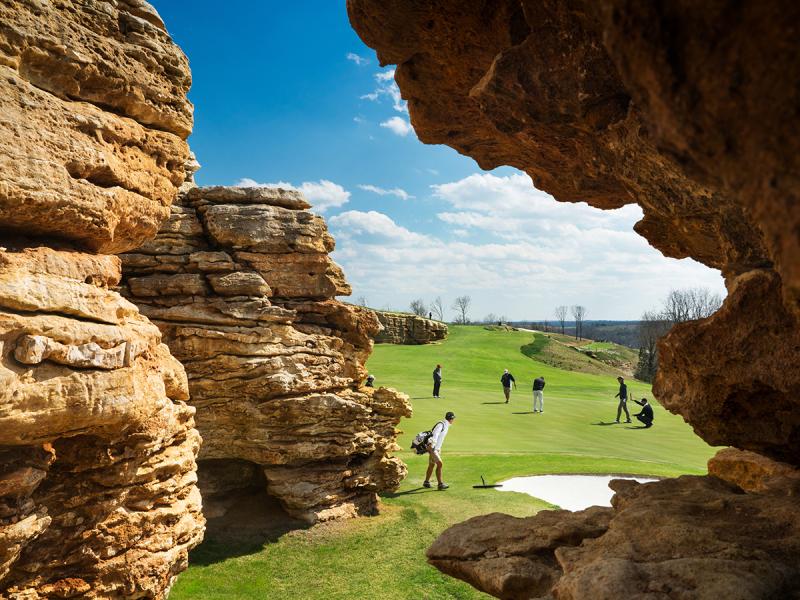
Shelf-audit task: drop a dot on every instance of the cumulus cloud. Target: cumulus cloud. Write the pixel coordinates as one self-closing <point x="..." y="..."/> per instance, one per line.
<point x="322" y="194"/>
<point x="398" y="126"/>
<point x="399" y="192"/>
<point x="359" y="60"/>
<point x="515" y="250"/>
<point x="372" y="223"/>
<point x="387" y="88"/>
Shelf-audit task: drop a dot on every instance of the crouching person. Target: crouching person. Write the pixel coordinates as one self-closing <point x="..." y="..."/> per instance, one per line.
<point x="646" y="414"/>
<point x="438" y="433"/>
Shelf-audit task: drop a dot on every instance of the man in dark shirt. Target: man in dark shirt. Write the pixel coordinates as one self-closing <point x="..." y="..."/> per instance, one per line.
<point x="507" y="379"/>
<point x="538" y="394"/>
<point x="622" y="394"/>
<point x="437" y="380"/>
<point x="646" y="414"/>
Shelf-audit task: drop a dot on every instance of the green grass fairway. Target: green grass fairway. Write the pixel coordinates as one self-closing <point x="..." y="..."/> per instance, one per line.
<point x="473" y="360"/>
<point x="384" y="556"/>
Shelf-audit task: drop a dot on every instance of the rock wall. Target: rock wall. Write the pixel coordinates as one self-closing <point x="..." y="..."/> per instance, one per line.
<point x="98" y="495"/>
<point x="690" y="112"/>
<point x="402" y="328"/>
<point x="241" y="285"/>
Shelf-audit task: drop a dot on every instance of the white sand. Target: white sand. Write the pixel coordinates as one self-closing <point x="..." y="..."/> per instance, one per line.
<point x="570" y="492"/>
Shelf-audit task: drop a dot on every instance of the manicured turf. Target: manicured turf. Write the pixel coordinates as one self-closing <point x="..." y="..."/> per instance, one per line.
<point x="384" y="556"/>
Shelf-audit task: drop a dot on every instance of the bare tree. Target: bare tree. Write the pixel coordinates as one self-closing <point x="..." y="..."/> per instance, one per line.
<point x="561" y="316"/>
<point x="361" y="301"/>
<point x="461" y="305"/>
<point x="418" y="307"/>
<point x="437" y="308"/>
<point x="690" y="304"/>
<point x="652" y="328"/>
<point x="490" y="319"/>
<point x="679" y="306"/>
<point x="578" y="313"/>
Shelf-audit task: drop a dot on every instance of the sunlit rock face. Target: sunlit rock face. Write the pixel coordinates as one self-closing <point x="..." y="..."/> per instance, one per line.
<point x="98" y="495"/>
<point x="690" y="112"/>
<point x="402" y="328"/>
<point x="241" y="285"/>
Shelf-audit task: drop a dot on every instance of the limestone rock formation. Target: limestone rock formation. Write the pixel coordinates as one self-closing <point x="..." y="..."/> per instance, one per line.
<point x="404" y="328"/>
<point x="690" y="112"/>
<point x="241" y="285"/>
<point x="98" y="494"/>
<point x="690" y="537"/>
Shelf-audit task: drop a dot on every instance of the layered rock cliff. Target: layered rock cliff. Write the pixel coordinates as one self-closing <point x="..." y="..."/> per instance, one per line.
<point x="403" y="328"/>
<point x="690" y="112"/>
<point x="241" y="285"/>
<point x="98" y="495"/>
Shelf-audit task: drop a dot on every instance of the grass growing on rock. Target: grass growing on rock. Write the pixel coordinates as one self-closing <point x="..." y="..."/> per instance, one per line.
<point x="384" y="556"/>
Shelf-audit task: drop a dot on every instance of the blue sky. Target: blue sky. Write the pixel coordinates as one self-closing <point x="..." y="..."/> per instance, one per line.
<point x="286" y="93"/>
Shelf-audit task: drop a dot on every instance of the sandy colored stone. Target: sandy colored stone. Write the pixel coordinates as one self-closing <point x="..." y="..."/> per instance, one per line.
<point x="241" y="285"/>
<point x="101" y="178"/>
<point x="402" y="328"/>
<point x="754" y="472"/>
<point x="677" y="538"/>
<point x="97" y="466"/>
<point x="98" y="494"/>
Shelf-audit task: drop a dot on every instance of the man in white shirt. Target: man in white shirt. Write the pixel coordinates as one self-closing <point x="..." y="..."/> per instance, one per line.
<point x="438" y="433"/>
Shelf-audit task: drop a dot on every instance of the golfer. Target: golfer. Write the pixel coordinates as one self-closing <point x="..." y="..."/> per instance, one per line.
<point x="622" y="394"/>
<point x="538" y="394"/>
<point x="437" y="380"/>
<point x="507" y="380"/>
<point x="438" y="434"/>
<point x="646" y="414"/>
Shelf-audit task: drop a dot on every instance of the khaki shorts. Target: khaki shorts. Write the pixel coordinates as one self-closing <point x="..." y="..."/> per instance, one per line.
<point x="434" y="457"/>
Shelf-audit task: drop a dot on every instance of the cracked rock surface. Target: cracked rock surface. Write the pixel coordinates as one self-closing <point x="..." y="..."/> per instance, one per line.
<point x="241" y="285"/>
<point x="401" y="328"/>
<point x="98" y="494"/>
<point x="689" y="111"/>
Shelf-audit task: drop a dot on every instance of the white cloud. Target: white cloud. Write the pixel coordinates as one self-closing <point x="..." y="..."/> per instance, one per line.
<point x="386" y="87"/>
<point x="398" y="126"/>
<point x="359" y="60"/>
<point x="322" y="194"/>
<point x="358" y="120"/>
<point x="399" y="192"/>
<point x="376" y="224"/>
<point x="515" y="250"/>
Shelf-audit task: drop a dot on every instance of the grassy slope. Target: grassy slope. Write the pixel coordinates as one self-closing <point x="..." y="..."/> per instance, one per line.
<point x="383" y="557"/>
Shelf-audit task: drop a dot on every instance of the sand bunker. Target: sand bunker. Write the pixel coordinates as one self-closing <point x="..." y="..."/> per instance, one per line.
<point x="570" y="492"/>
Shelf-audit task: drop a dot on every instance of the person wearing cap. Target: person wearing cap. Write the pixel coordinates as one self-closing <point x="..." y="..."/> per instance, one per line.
<point x="438" y="434"/>
<point x="507" y="379"/>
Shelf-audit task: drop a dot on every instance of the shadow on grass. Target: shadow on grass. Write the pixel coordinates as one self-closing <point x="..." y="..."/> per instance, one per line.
<point x="639" y="427"/>
<point x="530" y="412"/>
<point x="494" y="402"/>
<point x="247" y="524"/>
<point x="418" y="490"/>
<point x="424" y="398"/>
<point x="603" y="423"/>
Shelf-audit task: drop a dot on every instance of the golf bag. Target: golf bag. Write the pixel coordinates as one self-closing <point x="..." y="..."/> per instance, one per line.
<point x="422" y="440"/>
